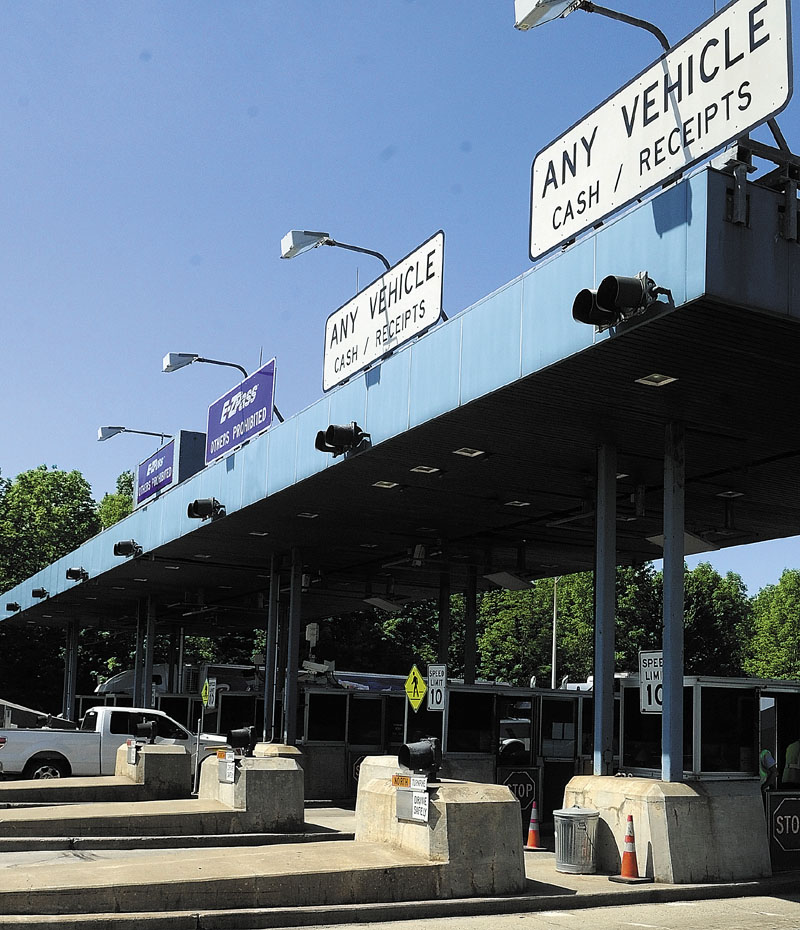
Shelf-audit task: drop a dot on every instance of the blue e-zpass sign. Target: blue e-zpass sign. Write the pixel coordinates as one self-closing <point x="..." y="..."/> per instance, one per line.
<point x="242" y="413"/>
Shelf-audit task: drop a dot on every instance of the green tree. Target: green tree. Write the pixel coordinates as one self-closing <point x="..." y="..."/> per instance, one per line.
<point x="774" y="649"/>
<point x="516" y="629"/>
<point x="115" y="507"/>
<point x="639" y="621"/>
<point x="44" y="514"/>
<point x="717" y="617"/>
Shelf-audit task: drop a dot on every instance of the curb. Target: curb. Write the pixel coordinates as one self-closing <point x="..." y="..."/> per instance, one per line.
<point x="309" y="916"/>
<point x="58" y="843"/>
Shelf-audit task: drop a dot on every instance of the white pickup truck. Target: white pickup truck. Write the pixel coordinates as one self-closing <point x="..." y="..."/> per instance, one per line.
<point x="91" y="750"/>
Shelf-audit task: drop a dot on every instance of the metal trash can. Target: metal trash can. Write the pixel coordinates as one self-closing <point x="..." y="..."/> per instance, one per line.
<point x="576" y="832"/>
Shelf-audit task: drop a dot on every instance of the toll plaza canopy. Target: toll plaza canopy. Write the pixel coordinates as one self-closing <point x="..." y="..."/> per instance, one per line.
<point x="484" y="436"/>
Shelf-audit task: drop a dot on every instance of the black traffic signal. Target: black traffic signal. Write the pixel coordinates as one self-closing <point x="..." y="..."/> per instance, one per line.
<point x="339" y="439"/>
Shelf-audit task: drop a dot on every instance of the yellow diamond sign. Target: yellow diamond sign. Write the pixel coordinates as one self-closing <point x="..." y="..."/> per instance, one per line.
<point x="204" y="693"/>
<point x="415" y="687"/>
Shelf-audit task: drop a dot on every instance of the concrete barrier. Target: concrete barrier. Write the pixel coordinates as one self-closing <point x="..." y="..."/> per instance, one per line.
<point x="266" y="796"/>
<point x="698" y="831"/>
<point x="160" y="773"/>
<point x="268" y="789"/>
<point x="475" y="829"/>
<point x="471" y="846"/>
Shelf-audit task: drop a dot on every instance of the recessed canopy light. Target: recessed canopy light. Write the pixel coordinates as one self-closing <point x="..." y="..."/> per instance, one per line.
<point x="225" y="587"/>
<point x="369" y="545"/>
<point x="425" y="469"/>
<point x="258" y="533"/>
<point x="621" y="475"/>
<point x="199" y="555"/>
<point x="730" y="494"/>
<point x="90" y="598"/>
<point x="468" y="453"/>
<point x="517" y="503"/>
<point x="426" y="529"/>
<point x="140" y="579"/>
<point x="655" y="380"/>
<point x="172" y="568"/>
<point x="307" y="515"/>
<point x="385" y="484"/>
<point x="117" y="588"/>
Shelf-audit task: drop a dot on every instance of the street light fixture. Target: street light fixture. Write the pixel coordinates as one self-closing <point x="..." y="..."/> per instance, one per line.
<point x="106" y="432"/>
<point x="174" y="361"/>
<point x="530" y="13"/>
<point x="297" y="241"/>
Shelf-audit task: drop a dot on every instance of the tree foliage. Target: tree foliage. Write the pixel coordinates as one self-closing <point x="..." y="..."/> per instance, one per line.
<point x="774" y="649"/>
<point x="717" y="615"/>
<point x="44" y="514"/>
<point x="115" y="507"/>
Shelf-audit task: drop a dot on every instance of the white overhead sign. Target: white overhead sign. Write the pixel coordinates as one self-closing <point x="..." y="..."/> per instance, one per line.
<point x="402" y="303"/>
<point x="726" y="78"/>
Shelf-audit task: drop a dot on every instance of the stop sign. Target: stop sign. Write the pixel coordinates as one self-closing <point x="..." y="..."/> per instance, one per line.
<point x="786" y="824"/>
<point x="523" y="786"/>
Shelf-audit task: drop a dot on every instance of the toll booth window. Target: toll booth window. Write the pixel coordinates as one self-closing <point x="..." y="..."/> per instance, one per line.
<point x="515" y="732"/>
<point x="395" y="720"/>
<point x="236" y="710"/>
<point x="729" y="730"/>
<point x="327" y="717"/>
<point x="559" y="738"/>
<point x="365" y="721"/>
<point x="587" y="726"/>
<point x="642" y="735"/>
<point x="471" y="722"/>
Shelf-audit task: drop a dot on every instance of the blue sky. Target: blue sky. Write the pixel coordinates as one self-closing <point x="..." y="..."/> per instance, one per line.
<point x="153" y="154"/>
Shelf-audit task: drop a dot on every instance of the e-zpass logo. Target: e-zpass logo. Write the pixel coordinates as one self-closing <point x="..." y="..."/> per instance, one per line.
<point x="239" y="401"/>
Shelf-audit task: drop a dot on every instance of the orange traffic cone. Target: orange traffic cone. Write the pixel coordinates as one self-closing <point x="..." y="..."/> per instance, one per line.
<point x="533" y="832"/>
<point x="629" y="873"/>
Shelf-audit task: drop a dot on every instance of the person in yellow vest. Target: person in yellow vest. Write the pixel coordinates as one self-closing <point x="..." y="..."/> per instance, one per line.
<point x="768" y="770"/>
<point x="791" y="769"/>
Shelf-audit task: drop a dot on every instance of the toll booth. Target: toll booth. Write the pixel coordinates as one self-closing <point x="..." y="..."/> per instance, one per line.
<point x="533" y="740"/>
<point x="727" y="722"/>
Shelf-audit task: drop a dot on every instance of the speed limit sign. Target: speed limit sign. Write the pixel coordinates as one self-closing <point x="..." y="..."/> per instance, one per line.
<point x="651" y="678"/>
<point x="437" y="687"/>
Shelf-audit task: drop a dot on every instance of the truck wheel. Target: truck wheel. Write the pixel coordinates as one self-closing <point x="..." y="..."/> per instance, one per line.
<point x="46" y="768"/>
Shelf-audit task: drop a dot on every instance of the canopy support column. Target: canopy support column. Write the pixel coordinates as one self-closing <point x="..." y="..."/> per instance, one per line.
<point x="290" y="695"/>
<point x="149" y="650"/>
<point x="470" y="624"/>
<point x="444" y="615"/>
<point x="674" y="514"/>
<point x="138" y="655"/>
<point x="70" y="669"/>
<point x="270" y="647"/>
<point x="604" y="607"/>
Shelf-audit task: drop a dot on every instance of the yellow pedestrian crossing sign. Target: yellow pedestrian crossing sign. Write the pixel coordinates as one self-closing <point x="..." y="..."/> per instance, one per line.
<point x="415" y="688"/>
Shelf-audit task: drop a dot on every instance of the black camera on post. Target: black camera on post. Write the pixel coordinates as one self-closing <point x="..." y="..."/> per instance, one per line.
<point x="424" y="756"/>
<point x="242" y="741"/>
<point x="147" y="731"/>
